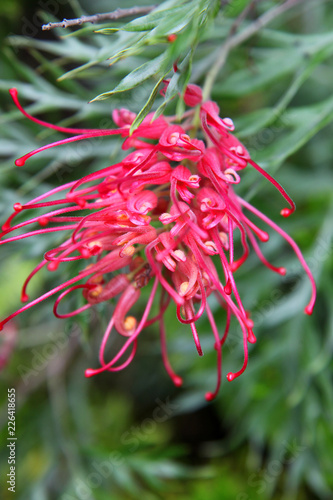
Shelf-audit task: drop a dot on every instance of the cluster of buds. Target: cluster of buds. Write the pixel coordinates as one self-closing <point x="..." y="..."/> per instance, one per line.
<point x="165" y="218"/>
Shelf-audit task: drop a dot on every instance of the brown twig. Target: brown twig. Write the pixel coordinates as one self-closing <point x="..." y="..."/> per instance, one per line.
<point x="98" y="18"/>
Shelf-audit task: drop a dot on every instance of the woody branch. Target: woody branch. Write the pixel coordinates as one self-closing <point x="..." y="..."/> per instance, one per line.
<point x="98" y="18"/>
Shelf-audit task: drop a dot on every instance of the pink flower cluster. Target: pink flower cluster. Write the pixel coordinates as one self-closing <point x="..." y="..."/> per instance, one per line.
<point x="163" y="217"/>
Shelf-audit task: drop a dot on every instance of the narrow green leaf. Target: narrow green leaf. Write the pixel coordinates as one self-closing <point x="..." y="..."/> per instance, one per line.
<point x="125" y="40"/>
<point x="147" y="107"/>
<point x="234" y="8"/>
<point x="177" y="83"/>
<point x="137" y="76"/>
<point x="160" y="110"/>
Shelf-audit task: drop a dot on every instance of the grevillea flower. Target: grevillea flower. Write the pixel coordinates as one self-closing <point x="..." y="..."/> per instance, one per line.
<point x="156" y="219"/>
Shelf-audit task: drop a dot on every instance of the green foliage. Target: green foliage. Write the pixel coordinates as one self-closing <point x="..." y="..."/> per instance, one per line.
<point x="269" y="434"/>
<point x="138" y="76"/>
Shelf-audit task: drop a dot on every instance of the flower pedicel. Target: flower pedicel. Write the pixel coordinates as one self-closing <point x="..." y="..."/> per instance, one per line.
<point x="160" y="215"/>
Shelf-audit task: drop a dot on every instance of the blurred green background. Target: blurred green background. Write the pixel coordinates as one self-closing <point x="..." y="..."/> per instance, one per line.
<point x="131" y="434"/>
